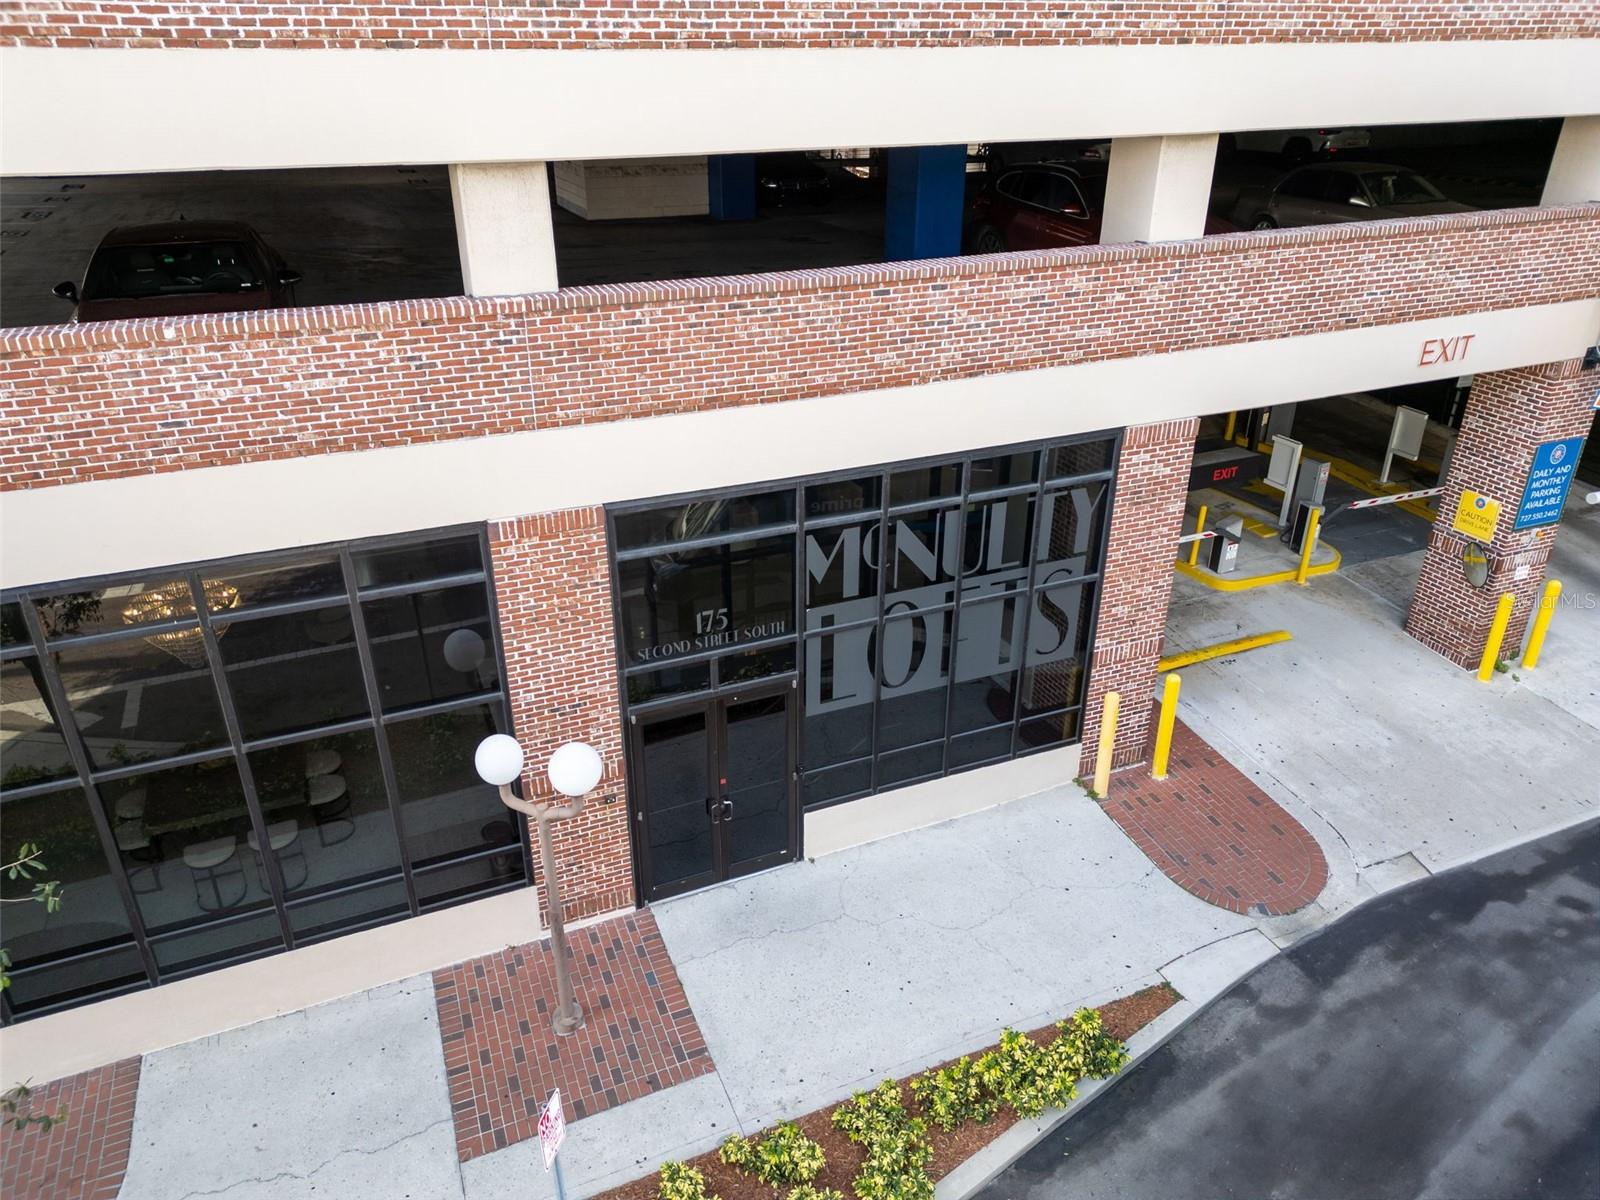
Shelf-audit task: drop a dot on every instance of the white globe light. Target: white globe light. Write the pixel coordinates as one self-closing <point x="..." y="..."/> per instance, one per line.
<point x="498" y="759"/>
<point x="463" y="650"/>
<point x="575" y="768"/>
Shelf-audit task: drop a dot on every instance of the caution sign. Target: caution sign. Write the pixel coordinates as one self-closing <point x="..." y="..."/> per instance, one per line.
<point x="1476" y="516"/>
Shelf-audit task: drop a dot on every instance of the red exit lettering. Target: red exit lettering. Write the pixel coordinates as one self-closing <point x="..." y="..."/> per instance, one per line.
<point x="1444" y="350"/>
<point x="1224" y="473"/>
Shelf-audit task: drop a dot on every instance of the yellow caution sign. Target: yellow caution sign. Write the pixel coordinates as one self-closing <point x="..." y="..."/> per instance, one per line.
<point x="1476" y="516"/>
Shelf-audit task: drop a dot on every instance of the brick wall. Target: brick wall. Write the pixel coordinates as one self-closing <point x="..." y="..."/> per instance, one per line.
<point x="1146" y="521"/>
<point x="747" y="24"/>
<point x="83" y="1157"/>
<point x="1507" y="415"/>
<point x="119" y="398"/>
<point x="554" y="593"/>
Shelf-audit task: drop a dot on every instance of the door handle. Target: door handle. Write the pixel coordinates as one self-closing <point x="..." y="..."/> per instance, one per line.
<point x="726" y="809"/>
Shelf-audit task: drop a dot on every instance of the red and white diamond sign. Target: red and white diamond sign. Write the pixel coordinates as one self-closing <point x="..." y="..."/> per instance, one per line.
<point x="552" y="1128"/>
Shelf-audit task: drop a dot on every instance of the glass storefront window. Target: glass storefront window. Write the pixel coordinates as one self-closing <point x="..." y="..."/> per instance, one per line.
<point x="32" y="749"/>
<point x="170" y="877"/>
<point x="431" y="646"/>
<point x="140" y="699"/>
<point x="947" y="607"/>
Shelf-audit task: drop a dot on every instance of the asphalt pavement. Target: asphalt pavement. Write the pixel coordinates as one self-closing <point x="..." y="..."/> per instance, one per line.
<point x="1443" y="1041"/>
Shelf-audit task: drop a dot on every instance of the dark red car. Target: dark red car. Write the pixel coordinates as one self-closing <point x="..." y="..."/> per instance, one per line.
<point x="183" y="267"/>
<point x="1042" y="205"/>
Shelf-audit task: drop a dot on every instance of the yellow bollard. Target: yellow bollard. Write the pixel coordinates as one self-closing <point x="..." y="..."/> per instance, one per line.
<point x="1303" y="571"/>
<point x="1109" y="709"/>
<point x="1497" y="634"/>
<point x="1227" y="434"/>
<point x="1169" y="714"/>
<point x="1541" y="622"/>
<point x="1199" y="527"/>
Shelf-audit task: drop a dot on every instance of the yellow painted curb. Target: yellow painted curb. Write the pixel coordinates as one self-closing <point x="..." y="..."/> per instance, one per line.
<point x="1237" y="646"/>
<point x="1223" y="584"/>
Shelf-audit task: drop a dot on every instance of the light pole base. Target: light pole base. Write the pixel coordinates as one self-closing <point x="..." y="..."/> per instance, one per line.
<point x="567" y="1024"/>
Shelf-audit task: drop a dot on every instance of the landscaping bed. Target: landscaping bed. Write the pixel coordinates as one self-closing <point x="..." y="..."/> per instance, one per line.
<point x="844" y="1158"/>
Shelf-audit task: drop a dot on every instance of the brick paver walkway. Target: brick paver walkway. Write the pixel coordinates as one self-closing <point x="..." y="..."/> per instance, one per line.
<point x="503" y="1060"/>
<point x="1216" y="834"/>
<point x="85" y="1156"/>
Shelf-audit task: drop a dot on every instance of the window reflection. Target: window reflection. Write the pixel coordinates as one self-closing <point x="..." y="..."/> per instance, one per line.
<point x="32" y="749"/>
<point x="136" y="702"/>
<point x="445" y="808"/>
<point x="293" y="672"/>
<point x="689" y="601"/>
<point x="431" y="646"/>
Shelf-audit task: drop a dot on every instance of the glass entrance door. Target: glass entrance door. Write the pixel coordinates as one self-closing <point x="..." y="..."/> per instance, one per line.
<point x="714" y="792"/>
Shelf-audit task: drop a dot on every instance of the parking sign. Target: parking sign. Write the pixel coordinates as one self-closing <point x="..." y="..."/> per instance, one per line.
<point x="552" y="1128"/>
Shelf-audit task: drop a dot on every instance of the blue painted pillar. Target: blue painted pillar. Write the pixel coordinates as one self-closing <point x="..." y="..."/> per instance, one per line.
<point x="732" y="181"/>
<point x="927" y="199"/>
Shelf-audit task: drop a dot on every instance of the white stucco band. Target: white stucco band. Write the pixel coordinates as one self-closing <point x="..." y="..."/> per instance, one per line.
<point x="102" y="527"/>
<point x="363" y="107"/>
<point x="1575" y="169"/>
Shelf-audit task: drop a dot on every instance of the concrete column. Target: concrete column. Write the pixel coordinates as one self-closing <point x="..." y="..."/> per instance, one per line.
<point x="731" y="182"/>
<point x="1159" y="188"/>
<point x="1509" y="416"/>
<point x="926" y="201"/>
<point x="503" y="228"/>
<point x="1575" y="170"/>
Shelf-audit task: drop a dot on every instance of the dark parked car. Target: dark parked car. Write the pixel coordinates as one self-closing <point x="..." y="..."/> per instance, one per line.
<point x="1348" y="191"/>
<point x="183" y="267"/>
<point x="1041" y="205"/>
<point x="791" y="178"/>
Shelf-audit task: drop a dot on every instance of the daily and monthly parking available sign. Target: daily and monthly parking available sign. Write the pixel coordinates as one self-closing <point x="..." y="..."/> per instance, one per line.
<point x="1554" y="464"/>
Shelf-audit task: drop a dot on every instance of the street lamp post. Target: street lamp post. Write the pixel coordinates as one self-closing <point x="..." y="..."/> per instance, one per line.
<point x="574" y="769"/>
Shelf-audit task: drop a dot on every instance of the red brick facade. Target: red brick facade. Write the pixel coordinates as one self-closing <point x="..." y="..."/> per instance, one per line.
<point x="748" y="24"/>
<point x="85" y="1156"/>
<point x="1146" y="521"/>
<point x="120" y="398"/>
<point x="1508" y="414"/>
<point x="553" y="589"/>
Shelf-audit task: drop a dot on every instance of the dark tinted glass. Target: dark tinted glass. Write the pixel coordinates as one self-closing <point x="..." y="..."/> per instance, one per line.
<point x="1342" y="187"/>
<point x="1004" y="470"/>
<point x="755" y="664"/>
<point x="142" y="698"/>
<point x="1305" y="185"/>
<point x="430" y="646"/>
<point x="921" y="557"/>
<point x="823" y="786"/>
<point x="172" y="269"/>
<point x="318" y="919"/>
<point x="453" y="883"/>
<point x="13" y="630"/>
<point x="986" y="664"/>
<point x="925" y="483"/>
<point x="668" y="681"/>
<point x="91" y="914"/>
<point x="31" y="747"/>
<point x="1058" y="636"/>
<point x="719" y="596"/>
<point x="445" y="808"/>
<point x="839" y="694"/>
<point x="332" y="788"/>
<point x="915" y="672"/>
<point x="279" y="583"/>
<point x="841" y="574"/>
<point x="843" y="496"/>
<point x="79" y="979"/>
<point x="994" y="552"/>
<point x="1071" y="532"/>
<point x="905" y="765"/>
<point x="973" y="748"/>
<point x="185" y="953"/>
<point x="703" y="518"/>
<point x="185" y="835"/>
<point x="1054" y="730"/>
<point x="105" y="610"/>
<point x="418" y="563"/>
<point x="293" y="672"/>
<point x="1080" y="458"/>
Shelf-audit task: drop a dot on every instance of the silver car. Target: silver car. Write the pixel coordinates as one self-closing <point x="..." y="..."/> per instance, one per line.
<point x="1324" y="193"/>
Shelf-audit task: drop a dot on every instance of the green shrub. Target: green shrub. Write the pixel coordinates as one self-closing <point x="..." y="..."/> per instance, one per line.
<point x="682" y="1182"/>
<point x="954" y="1094"/>
<point x="806" y="1192"/>
<point x="785" y="1155"/>
<point x="896" y="1144"/>
<point x="1100" y="1056"/>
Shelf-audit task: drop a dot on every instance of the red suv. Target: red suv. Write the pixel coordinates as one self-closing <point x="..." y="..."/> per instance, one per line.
<point x="184" y="267"/>
<point x="1041" y="205"/>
